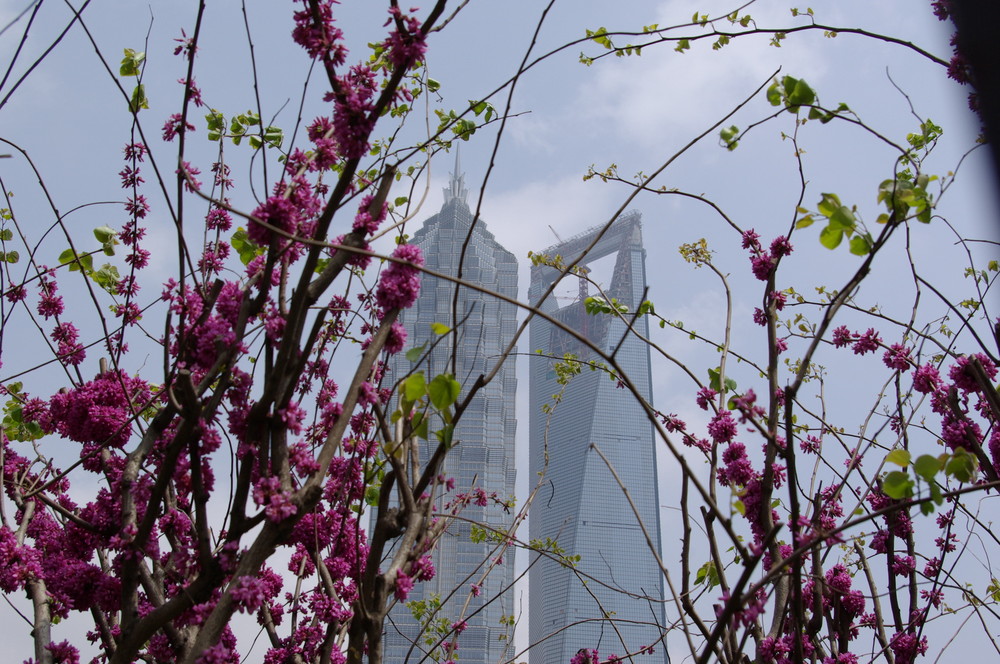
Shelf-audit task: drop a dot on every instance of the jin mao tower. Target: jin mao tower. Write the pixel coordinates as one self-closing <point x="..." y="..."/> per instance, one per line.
<point x="612" y="598"/>
<point x="483" y="454"/>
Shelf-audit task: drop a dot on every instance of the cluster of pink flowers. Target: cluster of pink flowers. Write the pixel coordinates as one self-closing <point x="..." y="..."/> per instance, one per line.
<point x="99" y="411"/>
<point x="960" y="403"/>
<point x="400" y="283"/>
<point x="861" y="344"/>
<point x="763" y="261"/>
<point x="406" y="45"/>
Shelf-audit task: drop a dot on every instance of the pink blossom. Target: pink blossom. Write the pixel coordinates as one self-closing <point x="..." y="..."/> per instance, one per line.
<point x="317" y="33"/>
<point x="249" y="593"/>
<point x="903" y="565"/>
<point x="404" y="584"/>
<point x="897" y="357"/>
<point x="842" y="336"/>
<point x="706" y="395"/>
<point x="762" y="266"/>
<point x="867" y="342"/>
<point x="100" y="410"/>
<point x="962" y="375"/>
<point x="905" y="646"/>
<point x="364" y="221"/>
<point x="926" y="379"/>
<point x="781" y="246"/>
<point x="722" y="428"/>
<point x="751" y="240"/>
<point x="400" y="283"/>
<point x="406" y="45"/>
<point x="135" y="151"/>
<point x="174" y="125"/>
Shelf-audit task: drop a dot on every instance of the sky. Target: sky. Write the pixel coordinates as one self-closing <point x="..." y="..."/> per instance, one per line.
<point x="635" y="112"/>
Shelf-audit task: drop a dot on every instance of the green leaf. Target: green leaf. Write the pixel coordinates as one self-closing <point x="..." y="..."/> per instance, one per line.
<point x="927" y="466"/>
<point x="464" y="128"/>
<point x="415" y="353"/>
<point x="6" y="235"/>
<point x="828" y="204"/>
<point x="804" y="222"/>
<point x="860" y="245"/>
<point x="107" y="277"/>
<point x="419" y="425"/>
<point x="444" y="391"/>
<point x="11" y="257"/>
<point x="132" y="62"/>
<point x="600" y="37"/>
<point x="105" y="234"/>
<point x="936" y="493"/>
<point x="216" y="125"/>
<point x="244" y="246"/>
<point x="440" y="328"/>
<point x="728" y="137"/>
<point x="707" y="573"/>
<point x="799" y="93"/>
<point x="433" y="85"/>
<point x="831" y="237"/>
<point x="713" y="382"/>
<point x="897" y="485"/>
<point x="899" y="457"/>
<point x="138" y="100"/>
<point x="414" y="387"/>
<point x="274" y="136"/>
<point x="75" y="262"/>
<point x="774" y="94"/>
<point x="961" y="466"/>
<point x="108" y="239"/>
<point x="445" y="435"/>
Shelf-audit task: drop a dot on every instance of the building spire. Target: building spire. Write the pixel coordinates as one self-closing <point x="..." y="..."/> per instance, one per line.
<point x="456" y="188"/>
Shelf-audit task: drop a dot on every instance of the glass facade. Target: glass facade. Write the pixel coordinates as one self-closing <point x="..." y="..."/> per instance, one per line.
<point x="484" y="454"/>
<point x="612" y="598"/>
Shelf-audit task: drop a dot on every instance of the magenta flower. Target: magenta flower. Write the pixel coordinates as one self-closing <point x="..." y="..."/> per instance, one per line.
<point x="404" y="584"/>
<point x="867" y="342"/>
<point x="101" y="410"/>
<point x="405" y="45"/>
<point x="962" y="375"/>
<point x="400" y="283"/>
<point x="706" y="395"/>
<point x="897" y="357"/>
<point x="174" y="125"/>
<point x="722" y="428"/>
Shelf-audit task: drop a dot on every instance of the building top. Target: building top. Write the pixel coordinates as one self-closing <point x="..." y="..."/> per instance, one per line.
<point x="456" y="188"/>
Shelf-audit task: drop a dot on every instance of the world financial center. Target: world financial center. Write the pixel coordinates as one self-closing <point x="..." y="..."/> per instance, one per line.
<point x="483" y="456"/>
<point x="611" y="599"/>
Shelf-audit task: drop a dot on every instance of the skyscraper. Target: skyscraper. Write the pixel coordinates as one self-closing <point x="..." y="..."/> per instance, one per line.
<point x="484" y="454"/>
<point x="612" y="598"/>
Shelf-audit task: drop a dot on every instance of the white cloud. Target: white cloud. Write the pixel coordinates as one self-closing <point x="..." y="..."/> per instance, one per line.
<point x="538" y="214"/>
<point x="663" y="95"/>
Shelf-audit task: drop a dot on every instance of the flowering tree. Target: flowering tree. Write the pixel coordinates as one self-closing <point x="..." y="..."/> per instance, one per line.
<point x="811" y="532"/>
<point x="161" y="499"/>
<point x="163" y="552"/>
